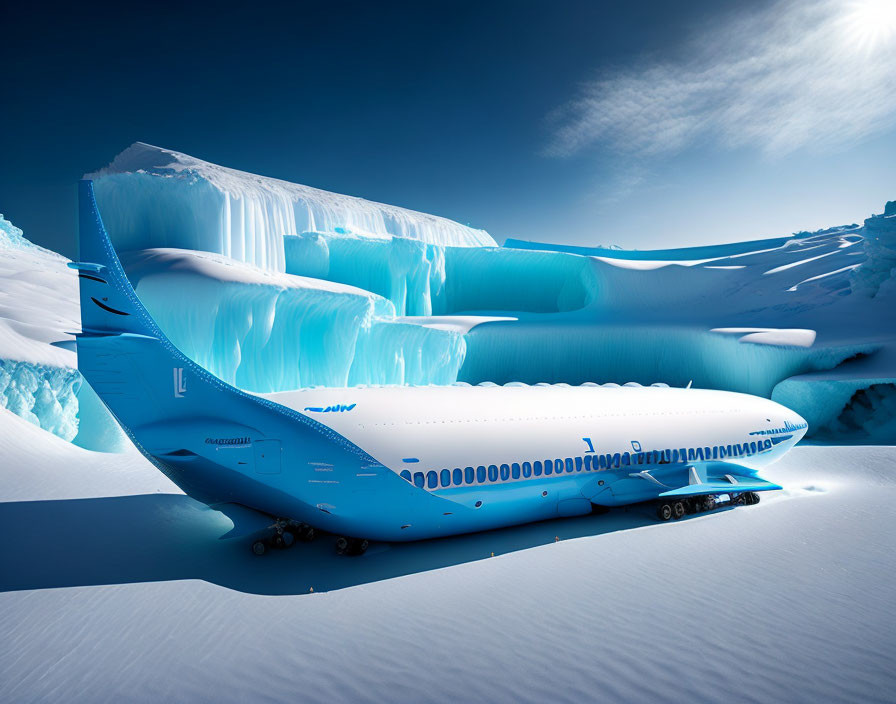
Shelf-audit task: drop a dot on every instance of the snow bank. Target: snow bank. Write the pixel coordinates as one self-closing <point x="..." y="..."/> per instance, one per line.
<point x="877" y="275"/>
<point x="38" y="315"/>
<point x="153" y="197"/>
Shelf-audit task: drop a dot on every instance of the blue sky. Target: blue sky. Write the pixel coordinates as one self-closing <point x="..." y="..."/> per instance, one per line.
<point x="641" y="124"/>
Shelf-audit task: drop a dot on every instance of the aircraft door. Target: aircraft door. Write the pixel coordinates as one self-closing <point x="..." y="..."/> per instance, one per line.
<point x="268" y="456"/>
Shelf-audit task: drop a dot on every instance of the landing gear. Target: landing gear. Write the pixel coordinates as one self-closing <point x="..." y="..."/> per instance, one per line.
<point x="283" y="535"/>
<point x="750" y="498"/>
<point x="351" y="546"/>
<point x="668" y="511"/>
<point x="707" y="503"/>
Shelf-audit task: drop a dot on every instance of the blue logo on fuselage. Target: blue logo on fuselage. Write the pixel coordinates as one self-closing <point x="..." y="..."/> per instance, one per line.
<point x="338" y="408"/>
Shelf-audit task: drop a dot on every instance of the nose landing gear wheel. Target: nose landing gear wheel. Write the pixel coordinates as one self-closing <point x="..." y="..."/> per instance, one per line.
<point x="678" y="510"/>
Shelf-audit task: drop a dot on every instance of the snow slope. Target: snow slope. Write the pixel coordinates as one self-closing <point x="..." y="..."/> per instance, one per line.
<point x="114" y="587"/>
<point x="154" y="197"/>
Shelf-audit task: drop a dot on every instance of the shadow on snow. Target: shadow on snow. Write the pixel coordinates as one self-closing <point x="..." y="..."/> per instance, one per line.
<point x="155" y="537"/>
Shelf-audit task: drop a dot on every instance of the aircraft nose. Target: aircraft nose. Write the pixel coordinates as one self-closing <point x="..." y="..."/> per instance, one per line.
<point x="784" y="420"/>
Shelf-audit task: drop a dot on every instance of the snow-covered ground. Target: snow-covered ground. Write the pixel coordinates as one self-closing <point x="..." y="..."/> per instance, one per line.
<point x="115" y="587"/>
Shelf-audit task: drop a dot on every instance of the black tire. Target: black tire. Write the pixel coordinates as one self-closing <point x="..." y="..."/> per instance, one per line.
<point x="288" y="539"/>
<point x="341" y="545"/>
<point x="754" y="498"/>
<point x="259" y="548"/>
<point x="363" y="544"/>
<point x="678" y="510"/>
<point x="709" y="503"/>
<point x="664" y="512"/>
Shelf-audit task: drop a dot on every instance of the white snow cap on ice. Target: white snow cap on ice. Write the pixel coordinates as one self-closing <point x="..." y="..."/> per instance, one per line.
<point x="155" y="197"/>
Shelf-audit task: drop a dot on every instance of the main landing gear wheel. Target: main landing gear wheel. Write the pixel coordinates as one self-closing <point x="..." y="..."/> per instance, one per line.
<point x="351" y="546"/>
<point x="678" y="510"/>
<point x="664" y="512"/>
<point x="259" y="548"/>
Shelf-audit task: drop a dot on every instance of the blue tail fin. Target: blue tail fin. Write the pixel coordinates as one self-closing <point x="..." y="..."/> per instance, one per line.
<point x="109" y="304"/>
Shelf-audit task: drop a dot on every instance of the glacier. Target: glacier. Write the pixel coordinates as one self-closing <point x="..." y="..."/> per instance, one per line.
<point x="318" y="289"/>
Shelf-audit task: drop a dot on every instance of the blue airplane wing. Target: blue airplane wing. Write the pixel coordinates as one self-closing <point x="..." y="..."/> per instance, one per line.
<point x="730" y="483"/>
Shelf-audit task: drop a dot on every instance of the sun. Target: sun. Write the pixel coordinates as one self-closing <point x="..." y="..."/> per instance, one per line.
<point x="870" y="23"/>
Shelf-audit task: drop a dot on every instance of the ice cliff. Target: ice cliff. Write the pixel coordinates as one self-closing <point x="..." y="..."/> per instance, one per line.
<point x="153" y="197"/>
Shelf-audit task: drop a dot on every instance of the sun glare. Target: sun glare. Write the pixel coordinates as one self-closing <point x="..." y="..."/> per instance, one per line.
<point x="871" y="22"/>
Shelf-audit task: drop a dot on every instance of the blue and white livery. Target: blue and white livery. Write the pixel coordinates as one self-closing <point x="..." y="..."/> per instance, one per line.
<point x="407" y="463"/>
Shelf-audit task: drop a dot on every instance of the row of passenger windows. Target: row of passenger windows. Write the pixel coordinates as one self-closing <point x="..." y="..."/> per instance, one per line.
<point x="588" y="463"/>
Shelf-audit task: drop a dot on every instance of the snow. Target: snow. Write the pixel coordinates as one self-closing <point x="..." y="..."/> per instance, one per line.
<point x="456" y="323"/>
<point x="115" y="587"/>
<point x="772" y="336"/>
<point x="877" y="275"/>
<point x="152" y="197"/>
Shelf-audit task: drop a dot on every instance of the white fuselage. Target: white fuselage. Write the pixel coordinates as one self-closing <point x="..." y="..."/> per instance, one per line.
<point x="430" y="429"/>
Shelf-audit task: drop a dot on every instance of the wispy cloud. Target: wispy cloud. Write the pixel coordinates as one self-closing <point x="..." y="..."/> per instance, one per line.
<point x="801" y="73"/>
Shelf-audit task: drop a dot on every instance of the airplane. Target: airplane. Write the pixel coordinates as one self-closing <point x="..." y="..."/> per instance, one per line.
<point x="402" y="463"/>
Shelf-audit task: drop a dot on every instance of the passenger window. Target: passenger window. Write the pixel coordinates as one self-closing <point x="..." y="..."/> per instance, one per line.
<point x="480" y="474"/>
<point x="579" y="464"/>
<point x="469" y="475"/>
<point x="536" y="468"/>
<point x="570" y="464"/>
<point x="492" y="473"/>
<point x="406" y="475"/>
<point x="432" y="479"/>
<point x="515" y="470"/>
<point x="527" y="469"/>
<point x="458" y="476"/>
<point x="505" y="472"/>
<point x="419" y="481"/>
<point x="548" y="467"/>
